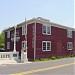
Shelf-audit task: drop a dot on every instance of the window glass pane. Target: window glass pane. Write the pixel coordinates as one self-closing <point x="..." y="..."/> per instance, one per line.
<point x="69" y="34"/>
<point x="23" y="44"/>
<point x="44" y="48"/>
<point x="8" y="34"/>
<point x="44" y="29"/>
<point x="8" y="45"/>
<point x="48" y="46"/>
<point x="48" y="30"/>
<point x="44" y="45"/>
<point x="70" y="46"/>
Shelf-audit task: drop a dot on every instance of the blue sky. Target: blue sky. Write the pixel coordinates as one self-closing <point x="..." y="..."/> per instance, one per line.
<point x="14" y="11"/>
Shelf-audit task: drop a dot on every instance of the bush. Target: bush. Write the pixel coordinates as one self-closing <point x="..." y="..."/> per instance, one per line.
<point x="58" y="57"/>
<point x="1" y="45"/>
<point x="43" y="59"/>
<point x="71" y="56"/>
<point x="53" y="58"/>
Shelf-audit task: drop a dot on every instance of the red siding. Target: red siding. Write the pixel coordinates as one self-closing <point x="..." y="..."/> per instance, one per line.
<point x="58" y="40"/>
<point x="29" y="40"/>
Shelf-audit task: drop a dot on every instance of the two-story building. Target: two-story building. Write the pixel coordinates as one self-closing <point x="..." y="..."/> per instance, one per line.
<point x="44" y="39"/>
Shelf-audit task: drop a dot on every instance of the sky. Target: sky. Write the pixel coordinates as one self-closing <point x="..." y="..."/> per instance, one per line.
<point x="13" y="12"/>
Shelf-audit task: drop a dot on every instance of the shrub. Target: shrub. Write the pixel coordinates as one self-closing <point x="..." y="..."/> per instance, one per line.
<point x="43" y="59"/>
<point x="71" y="56"/>
<point x="57" y="57"/>
<point x="53" y="58"/>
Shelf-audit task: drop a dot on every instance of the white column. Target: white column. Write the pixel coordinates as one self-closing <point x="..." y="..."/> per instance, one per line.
<point x="14" y="39"/>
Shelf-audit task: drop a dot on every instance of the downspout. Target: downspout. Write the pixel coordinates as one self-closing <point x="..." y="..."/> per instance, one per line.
<point x="35" y="41"/>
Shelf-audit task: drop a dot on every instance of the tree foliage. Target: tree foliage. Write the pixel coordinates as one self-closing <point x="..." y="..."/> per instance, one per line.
<point x="2" y="40"/>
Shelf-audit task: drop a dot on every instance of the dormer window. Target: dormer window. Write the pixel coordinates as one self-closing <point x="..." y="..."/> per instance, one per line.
<point x="69" y="33"/>
<point x="8" y="34"/>
<point x="46" y="30"/>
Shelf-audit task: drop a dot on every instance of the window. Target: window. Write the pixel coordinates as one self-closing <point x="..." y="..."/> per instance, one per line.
<point x="69" y="33"/>
<point x="69" y="46"/>
<point x="46" y="30"/>
<point x="46" y="45"/>
<point x="24" y="44"/>
<point x="8" y="34"/>
<point x="8" y="45"/>
<point x="23" y="30"/>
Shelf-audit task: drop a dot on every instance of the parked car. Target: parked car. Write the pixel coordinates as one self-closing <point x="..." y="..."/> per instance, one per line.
<point x="1" y="49"/>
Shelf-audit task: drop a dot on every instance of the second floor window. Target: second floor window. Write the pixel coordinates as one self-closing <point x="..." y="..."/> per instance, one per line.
<point x="23" y="30"/>
<point x="8" y="34"/>
<point x="46" y="30"/>
<point x="69" y="33"/>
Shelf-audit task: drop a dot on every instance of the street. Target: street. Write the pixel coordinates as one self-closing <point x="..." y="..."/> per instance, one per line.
<point x="63" y="66"/>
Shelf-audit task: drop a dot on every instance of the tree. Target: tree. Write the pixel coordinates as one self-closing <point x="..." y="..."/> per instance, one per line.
<point x="2" y="40"/>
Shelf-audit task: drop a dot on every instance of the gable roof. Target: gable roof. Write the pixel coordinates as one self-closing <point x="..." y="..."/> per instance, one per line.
<point x="42" y="21"/>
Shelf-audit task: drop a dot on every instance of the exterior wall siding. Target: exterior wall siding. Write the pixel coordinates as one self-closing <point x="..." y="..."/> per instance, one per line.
<point x="30" y="51"/>
<point x="58" y="40"/>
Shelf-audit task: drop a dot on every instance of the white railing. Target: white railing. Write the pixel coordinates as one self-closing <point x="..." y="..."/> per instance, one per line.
<point x="8" y="55"/>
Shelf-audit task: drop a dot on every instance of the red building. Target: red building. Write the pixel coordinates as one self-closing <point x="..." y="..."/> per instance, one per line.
<point x="44" y="39"/>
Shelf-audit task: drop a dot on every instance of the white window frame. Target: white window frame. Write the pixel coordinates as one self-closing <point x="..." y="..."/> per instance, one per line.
<point x="69" y="33"/>
<point x="23" y="30"/>
<point x="8" y="34"/>
<point x="25" y="44"/>
<point x="8" y="45"/>
<point x="68" y="47"/>
<point x="46" y="45"/>
<point x="46" y="30"/>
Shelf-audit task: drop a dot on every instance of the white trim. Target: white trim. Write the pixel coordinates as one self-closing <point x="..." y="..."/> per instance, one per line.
<point x="69" y="43"/>
<point x="46" y="30"/>
<point x="42" y="22"/>
<point x="46" y="45"/>
<point x="35" y="41"/>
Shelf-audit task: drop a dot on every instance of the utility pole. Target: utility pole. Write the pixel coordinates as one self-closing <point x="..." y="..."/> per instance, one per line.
<point x="25" y="35"/>
<point x="14" y="38"/>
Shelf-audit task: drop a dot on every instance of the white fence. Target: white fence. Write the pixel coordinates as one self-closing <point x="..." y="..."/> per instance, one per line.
<point x="9" y="55"/>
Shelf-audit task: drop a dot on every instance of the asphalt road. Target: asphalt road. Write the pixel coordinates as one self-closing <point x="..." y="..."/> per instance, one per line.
<point x="52" y="67"/>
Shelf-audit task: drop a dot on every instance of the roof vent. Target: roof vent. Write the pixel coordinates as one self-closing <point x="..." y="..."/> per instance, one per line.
<point x="43" y="19"/>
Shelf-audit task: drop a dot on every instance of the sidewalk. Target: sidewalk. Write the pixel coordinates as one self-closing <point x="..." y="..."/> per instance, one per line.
<point x="4" y="62"/>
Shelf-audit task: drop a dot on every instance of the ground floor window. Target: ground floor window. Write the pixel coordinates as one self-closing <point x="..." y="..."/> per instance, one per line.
<point x="24" y="44"/>
<point x="69" y="46"/>
<point x="8" y="45"/>
<point x="46" y="45"/>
